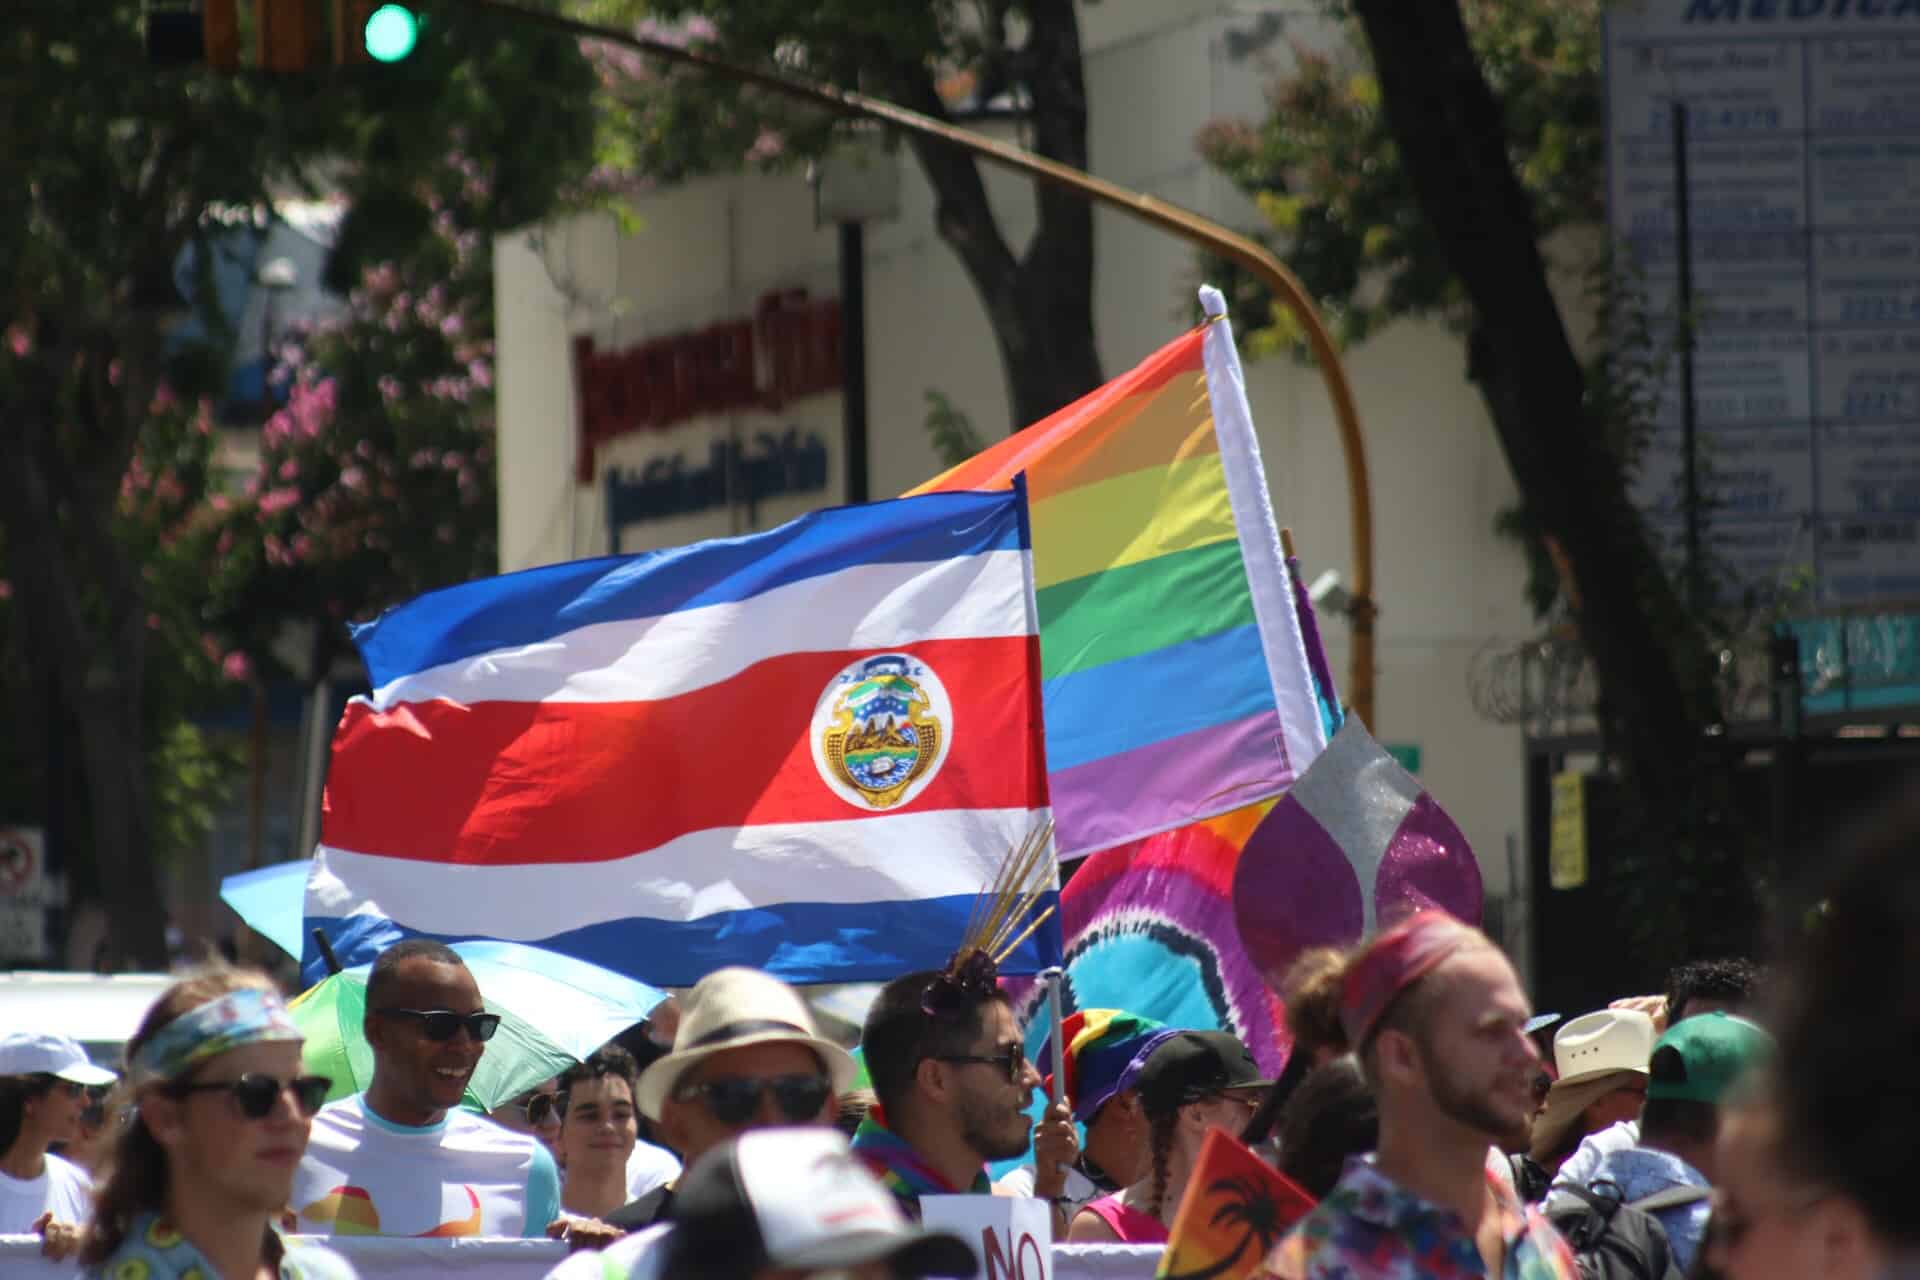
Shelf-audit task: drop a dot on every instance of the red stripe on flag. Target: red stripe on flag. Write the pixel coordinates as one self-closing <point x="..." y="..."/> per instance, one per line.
<point x="502" y="783"/>
<point x="995" y="468"/>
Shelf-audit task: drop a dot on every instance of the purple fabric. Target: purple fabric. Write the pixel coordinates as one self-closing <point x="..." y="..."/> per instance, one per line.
<point x="1103" y="802"/>
<point x="1428" y="865"/>
<point x="1317" y="665"/>
<point x="1297" y="886"/>
<point x="1294" y="889"/>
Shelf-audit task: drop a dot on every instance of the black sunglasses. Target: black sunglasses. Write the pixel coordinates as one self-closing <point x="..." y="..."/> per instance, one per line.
<point x="258" y="1093"/>
<point x="444" y="1024"/>
<point x="1012" y="1060"/>
<point x="734" y="1100"/>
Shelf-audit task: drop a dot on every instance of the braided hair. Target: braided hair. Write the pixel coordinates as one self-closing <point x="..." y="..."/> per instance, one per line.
<point x="1160" y="1130"/>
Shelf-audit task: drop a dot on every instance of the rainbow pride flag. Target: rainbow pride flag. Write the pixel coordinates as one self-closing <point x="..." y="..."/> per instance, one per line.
<point x="1175" y="680"/>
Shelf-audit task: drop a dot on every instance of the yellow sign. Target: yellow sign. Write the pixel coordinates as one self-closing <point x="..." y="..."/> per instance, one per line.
<point x="1567" y="850"/>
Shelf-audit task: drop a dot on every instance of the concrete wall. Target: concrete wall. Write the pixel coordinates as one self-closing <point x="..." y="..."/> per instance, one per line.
<point x="1157" y="70"/>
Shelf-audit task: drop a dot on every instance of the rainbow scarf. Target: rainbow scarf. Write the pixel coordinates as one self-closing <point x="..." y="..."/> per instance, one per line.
<point x="900" y="1168"/>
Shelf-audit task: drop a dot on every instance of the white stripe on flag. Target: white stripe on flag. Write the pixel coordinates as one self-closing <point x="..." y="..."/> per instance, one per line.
<point x="872" y="606"/>
<point x="1267" y="574"/>
<point x="903" y="858"/>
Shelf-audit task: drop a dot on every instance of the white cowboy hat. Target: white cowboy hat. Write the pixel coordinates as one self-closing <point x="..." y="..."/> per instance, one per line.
<point x="1596" y="1044"/>
<point x="730" y="1008"/>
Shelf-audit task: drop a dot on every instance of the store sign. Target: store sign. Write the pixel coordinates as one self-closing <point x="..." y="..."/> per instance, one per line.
<point x="742" y="475"/>
<point x="1804" y="196"/>
<point x="788" y="348"/>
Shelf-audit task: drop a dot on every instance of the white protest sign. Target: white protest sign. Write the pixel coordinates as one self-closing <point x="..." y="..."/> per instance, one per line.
<point x="1011" y="1237"/>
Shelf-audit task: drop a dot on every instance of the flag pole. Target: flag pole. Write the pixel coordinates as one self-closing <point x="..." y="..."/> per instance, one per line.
<point x="1244" y="250"/>
<point x="1053" y="978"/>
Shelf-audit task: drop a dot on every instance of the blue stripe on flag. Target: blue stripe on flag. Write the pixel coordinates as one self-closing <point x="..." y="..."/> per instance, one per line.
<point x="801" y="942"/>
<point x="1119" y="706"/>
<point x="539" y="604"/>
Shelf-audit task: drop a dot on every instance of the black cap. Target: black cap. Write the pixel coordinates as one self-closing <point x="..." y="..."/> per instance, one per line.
<point x="1196" y="1064"/>
<point x="796" y="1199"/>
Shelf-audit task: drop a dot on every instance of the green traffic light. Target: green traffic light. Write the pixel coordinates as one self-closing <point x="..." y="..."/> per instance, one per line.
<point x="392" y="32"/>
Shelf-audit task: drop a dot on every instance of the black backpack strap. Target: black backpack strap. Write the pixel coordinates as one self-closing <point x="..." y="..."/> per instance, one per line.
<point x="1583" y="1227"/>
<point x="1671" y="1198"/>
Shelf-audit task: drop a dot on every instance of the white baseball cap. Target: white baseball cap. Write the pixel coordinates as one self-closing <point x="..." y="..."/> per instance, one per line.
<point x="26" y="1053"/>
<point x="796" y="1198"/>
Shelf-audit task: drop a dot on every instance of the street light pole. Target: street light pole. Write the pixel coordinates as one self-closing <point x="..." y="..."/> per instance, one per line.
<point x="1244" y="250"/>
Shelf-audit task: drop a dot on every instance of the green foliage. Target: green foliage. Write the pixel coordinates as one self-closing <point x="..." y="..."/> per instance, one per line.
<point x="1324" y="171"/>
<point x="377" y="481"/>
<point x="950" y="430"/>
<point x="192" y="777"/>
<point x="111" y="577"/>
<point x="663" y="124"/>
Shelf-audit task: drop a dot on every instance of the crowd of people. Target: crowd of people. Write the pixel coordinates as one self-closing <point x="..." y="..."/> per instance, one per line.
<point x="1744" y="1124"/>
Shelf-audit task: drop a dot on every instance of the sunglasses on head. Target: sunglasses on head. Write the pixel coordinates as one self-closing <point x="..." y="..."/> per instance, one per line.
<point x="258" y="1093"/>
<point x="734" y="1100"/>
<point x="1012" y="1060"/>
<point x="444" y="1024"/>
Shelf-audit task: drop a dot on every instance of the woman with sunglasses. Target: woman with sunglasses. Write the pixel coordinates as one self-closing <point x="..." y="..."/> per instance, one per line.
<point x="43" y="1083"/>
<point x="1189" y="1083"/>
<point x="534" y="1112"/>
<point x="204" y="1166"/>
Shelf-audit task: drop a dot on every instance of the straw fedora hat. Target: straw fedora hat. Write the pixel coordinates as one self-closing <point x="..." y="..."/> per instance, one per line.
<point x="731" y="1008"/>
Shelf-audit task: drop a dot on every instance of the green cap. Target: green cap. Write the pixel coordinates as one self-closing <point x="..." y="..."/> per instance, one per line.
<point x="1702" y="1058"/>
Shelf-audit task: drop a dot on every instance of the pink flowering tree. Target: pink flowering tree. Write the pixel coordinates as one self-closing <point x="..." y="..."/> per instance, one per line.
<point x="376" y="481"/>
<point x="111" y="621"/>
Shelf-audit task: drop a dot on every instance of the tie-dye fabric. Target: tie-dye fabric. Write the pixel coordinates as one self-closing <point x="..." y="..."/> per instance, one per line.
<point x="1369" y="1228"/>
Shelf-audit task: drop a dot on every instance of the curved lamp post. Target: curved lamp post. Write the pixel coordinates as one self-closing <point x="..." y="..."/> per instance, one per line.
<point x="1184" y="223"/>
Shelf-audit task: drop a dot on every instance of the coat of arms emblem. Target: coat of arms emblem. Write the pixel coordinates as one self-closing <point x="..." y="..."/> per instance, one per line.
<point x="880" y="730"/>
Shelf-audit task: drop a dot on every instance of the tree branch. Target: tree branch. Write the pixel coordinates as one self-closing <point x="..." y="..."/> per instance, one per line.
<point x="963" y="213"/>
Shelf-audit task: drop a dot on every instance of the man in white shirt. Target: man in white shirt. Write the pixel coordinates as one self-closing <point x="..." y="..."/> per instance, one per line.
<point x="43" y="1082"/>
<point x="402" y="1159"/>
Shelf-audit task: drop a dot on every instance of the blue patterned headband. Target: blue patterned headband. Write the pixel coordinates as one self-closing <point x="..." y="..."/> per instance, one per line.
<point x="246" y="1016"/>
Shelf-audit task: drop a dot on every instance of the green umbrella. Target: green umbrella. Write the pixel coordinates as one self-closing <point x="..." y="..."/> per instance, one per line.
<point x="554" y="1011"/>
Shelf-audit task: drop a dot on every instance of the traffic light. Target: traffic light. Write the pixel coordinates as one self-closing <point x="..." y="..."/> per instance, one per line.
<point x="288" y="35"/>
<point x="391" y="32"/>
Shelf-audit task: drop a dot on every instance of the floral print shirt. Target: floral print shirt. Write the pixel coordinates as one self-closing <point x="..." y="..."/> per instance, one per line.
<point x="153" y="1250"/>
<point x="1369" y="1228"/>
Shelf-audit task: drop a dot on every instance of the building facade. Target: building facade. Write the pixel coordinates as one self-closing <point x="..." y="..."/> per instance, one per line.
<point x="578" y="298"/>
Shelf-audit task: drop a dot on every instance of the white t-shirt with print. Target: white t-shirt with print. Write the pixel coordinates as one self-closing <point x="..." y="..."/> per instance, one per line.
<point x="64" y="1189"/>
<point x="364" y="1175"/>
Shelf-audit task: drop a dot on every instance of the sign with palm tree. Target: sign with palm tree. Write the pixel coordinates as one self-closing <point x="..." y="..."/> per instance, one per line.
<point x="1236" y="1208"/>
